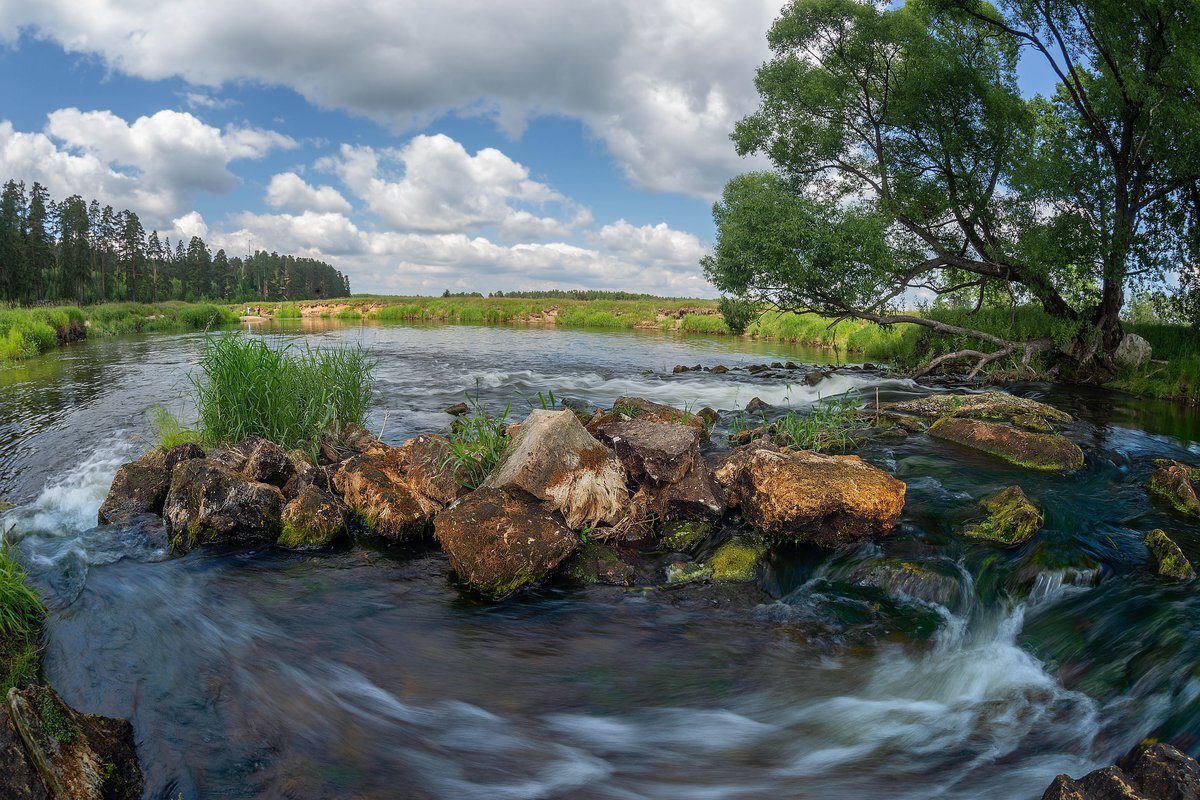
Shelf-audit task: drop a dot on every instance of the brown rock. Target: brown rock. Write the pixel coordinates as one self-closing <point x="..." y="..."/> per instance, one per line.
<point x="431" y="470"/>
<point x="139" y="487"/>
<point x="695" y="496"/>
<point x="314" y="519"/>
<point x="1041" y="451"/>
<point x="458" y="409"/>
<point x="640" y="408"/>
<point x="19" y="779"/>
<point x="208" y="503"/>
<point x="1159" y="773"/>
<point x="78" y="756"/>
<point x="376" y="488"/>
<point x="656" y="451"/>
<point x="985" y="405"/>
<point x="228" y="457"/>
<point x="554" y="459"/>
<point x="1171" y="483"/>
<point x="828" y="500"/>
<point x="266" y="462"/>
<point x="500" y="541"/>
<point x="182" y="452"/>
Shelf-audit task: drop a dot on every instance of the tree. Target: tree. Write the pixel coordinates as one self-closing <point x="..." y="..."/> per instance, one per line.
<point x="906" y="159"/>
<point x="13" y="272"/>
<point x="39" y="251"/>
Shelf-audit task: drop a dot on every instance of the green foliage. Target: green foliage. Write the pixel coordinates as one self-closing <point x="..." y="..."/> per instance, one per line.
<point x="53" y="720"/>
<point x="704" y="323"/>
<point x="287" y="394"/>
<point x="169" y="431"/>
<point x="738" y="313"/>
<point x="476" y="442"/>
<point x="288" y="311"/>
<point x="827" y="425"/>
<point x="20" y="609"/>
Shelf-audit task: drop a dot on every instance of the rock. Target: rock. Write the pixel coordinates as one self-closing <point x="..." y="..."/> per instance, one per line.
<point x="19" y="779"/>
<point x="709" y="415"/>
<point x="688" y="572"/>
<point x="181" y="452"/>
<point x="431" y="469"/>
<point x="814" y="377"/>
<point x="554" y="459"/>
<point x="301" y="459"/>
<point x="827" y="500"/>
<point x="500" y="541"/>
<point x="1042" y="451"/>
<point x="640" y="408"/>
<point x="599" y="563"/>
<point x="719" y="369"/>
<point x="376" y="489"/>
<point x="656" y="451"/>
<point x="308" y="475"/>
<point x="458" y="409"/>
<point x="695" y="496"/>
<point x="139" y="487"/>
<point x="915" y="580"/>
<point x="685" y="537"/>
<point x="314" y="519"/>
<point x="681" y="368"/>
<point x="1166" y="558"/>
<point x="1011" y="519"/>
<point x="755" y="405"/>
<point x="1159" y="773"/>
<point x="227" y="457"/>
<point x="78" y="756"/>
<point x="737" y="560"/>
<point x="869" y="366"/>
<point x="209" y="503"/>
<point x="985" y="405"/>
<point x="1133" y="351"/>
<point x="1172" y="484"/>
<point x="266" y="462"/>
<point x="756" y="369"/>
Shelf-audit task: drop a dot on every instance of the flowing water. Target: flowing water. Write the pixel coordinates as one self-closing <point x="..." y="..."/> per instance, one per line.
<point x="922" y="665"/>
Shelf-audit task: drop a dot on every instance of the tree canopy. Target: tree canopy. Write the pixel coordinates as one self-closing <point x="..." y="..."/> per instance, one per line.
<point x="907" y="163"/>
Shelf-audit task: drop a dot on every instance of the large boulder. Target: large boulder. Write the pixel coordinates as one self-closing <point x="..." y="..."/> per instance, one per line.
<point x="650" y="450"/>
<point x="554" y="459"/>
<point x="209" y="503"/>
<point x="1049" y="452"/>
<point x="1159" y="773"/>
<point x="627" y="407"/>
<point x="78" y="756"/>
<point x="1166" y="558"/>
<point x="994" y="406"/>
<point x="827" y="500"/>
<point x="1172" y="484"/>
<point x="313" y="519"/>
<point x="139" y="487"/>
<point x="695" y="496"/>
<point x="1011" y="518"/>
<point x="1133" y="351"/>
<point x="499" y="541"/>
<point x="19" y="779"/>
<point x="398" y="490"/>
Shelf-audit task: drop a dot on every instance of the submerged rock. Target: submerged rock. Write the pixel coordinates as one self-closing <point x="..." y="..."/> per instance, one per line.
<point x="827" y="500"/>
<point x="650" y="450"/>
<point x="685" y="537"/>
<point x="500" y="541"/>
<point x="209" y="503"/>
<point x="139" y="487"/>
<point x="554" y="459"/>
<point x="1012" y="519"/>
<point x="78" y="756"/>
<point x="599" y="563"/>
<point x="688" y="572"/>
<point x="985" y="405"/>
<point x="1172" y="484"/>
<point x="1159" y="773"/>
<point x="1042" y="451"/>
<point x="313" y="519"/>
<point x="1166" y="558"/>
<point x="929" y="583"/>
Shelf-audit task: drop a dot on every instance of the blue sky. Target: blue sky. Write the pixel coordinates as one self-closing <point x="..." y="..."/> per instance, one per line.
<point x="416" y="146"/>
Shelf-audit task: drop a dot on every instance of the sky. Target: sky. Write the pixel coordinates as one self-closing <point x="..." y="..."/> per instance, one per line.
<point x="469" y="145"/>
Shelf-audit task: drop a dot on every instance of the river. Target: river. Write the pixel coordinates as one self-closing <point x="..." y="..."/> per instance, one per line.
<point x="364" y="672"/>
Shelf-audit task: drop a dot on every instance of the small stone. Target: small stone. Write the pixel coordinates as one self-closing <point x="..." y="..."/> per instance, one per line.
<point x="680" y="368"/>
<point x="1166" y="558"/>
<point x="755" y="405"/>
<point x="685" y="537"/>
<point x="688" y="572"/>
<point x="1011" y="520"/>
<point x="599" y="563"/>
<point x="458" y="409"/>
<point x="1133" y="351"/>
<point x="814" y="377"/>
<point x="314" y="519"/>
<point x="737" y="560"/>
<point x="719" y="369"/>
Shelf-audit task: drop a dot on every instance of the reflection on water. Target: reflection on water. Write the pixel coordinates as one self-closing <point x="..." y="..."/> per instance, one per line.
<point x="922" y="665"/>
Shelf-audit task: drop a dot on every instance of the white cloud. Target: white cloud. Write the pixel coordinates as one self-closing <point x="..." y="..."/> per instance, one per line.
<point x="204" y="100"/>
<point x="289" y="191"/>
<point x="189" y="225"/>
<point x="660" y="82"/>
<point x="444" y="188"/>
<point x="153" y="165"/>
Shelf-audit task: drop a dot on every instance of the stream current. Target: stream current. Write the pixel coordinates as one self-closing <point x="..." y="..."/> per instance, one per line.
<point x="365" y="673"/>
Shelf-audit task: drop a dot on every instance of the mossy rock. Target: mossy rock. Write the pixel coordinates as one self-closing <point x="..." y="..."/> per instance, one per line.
<point x="5" y="506"/>
<point x="935" y="583"/>
<point x="1048" y="452"/>
<point x="1012" y="519"/>
<point x="1172" y="483"/>
<point x="1166" y="558"/>
<point x="685" y="537"/>
<point x="314" y="519"/>
<point x="737" y="560"/>
<point x="688" y="572"/>
<point x="599" y="563"/>
<point x="1000" y="406"/>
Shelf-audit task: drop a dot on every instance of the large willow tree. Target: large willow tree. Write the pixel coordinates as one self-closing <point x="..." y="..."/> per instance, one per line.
<point x="907" y="163"/>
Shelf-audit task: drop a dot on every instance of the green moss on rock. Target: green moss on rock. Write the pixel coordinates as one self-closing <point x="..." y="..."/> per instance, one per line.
<point x="1012" y="519"/>
<point x="737" y="560"/>
<point x="599" y="563"/>
<point x="1166" y="557"/>
<point x="684" y="537"/>
<point x="688" y="572"/>
<point x="1172" y="484"/>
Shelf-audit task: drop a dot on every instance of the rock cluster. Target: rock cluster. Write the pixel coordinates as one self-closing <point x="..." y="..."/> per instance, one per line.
<point x="633" y="477"/>
<point x="1159" y="773"/>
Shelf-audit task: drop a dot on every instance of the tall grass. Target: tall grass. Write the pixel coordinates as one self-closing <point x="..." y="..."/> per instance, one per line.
<point x="287" y="394"/>
<point x="288" y="311"/>
<point x="20" y="609"/>
<point x="704" y="323"/>
<point x="476" y="442"/>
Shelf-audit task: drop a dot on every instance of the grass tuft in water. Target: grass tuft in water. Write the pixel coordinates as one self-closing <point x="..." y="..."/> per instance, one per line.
<point x="476" y="442"/>
<point x="289" y="395"/>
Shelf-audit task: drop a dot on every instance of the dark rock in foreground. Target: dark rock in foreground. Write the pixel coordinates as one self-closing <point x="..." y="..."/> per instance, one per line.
<point x="140" y="487"/>
<point x="1159" y="773"/>
<point x="500" y="541"/>
<point x="19" y="779"/>
<point x="208" y="503"/>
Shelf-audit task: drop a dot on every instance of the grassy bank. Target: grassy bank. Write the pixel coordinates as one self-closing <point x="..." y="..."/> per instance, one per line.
<point x="27" y="332"/>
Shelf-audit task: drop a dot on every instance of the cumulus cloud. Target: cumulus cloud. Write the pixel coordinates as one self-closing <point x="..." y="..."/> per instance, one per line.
<point x="442" y="187"/>
<point x="289" y="191"/>
<point x="153" y="165"/>
<point x="660" y="82"/>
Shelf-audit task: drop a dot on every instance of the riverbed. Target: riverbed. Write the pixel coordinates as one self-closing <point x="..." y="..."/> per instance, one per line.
<point x="364" y="672"/>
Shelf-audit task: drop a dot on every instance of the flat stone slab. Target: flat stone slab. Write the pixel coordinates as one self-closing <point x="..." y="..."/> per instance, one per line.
<point x="987" y="406"/>
<point x="1049" y="452"/>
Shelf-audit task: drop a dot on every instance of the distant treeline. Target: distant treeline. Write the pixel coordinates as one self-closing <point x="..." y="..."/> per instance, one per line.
<point x="74" y="251"/>
<point x="568" y="294"/>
